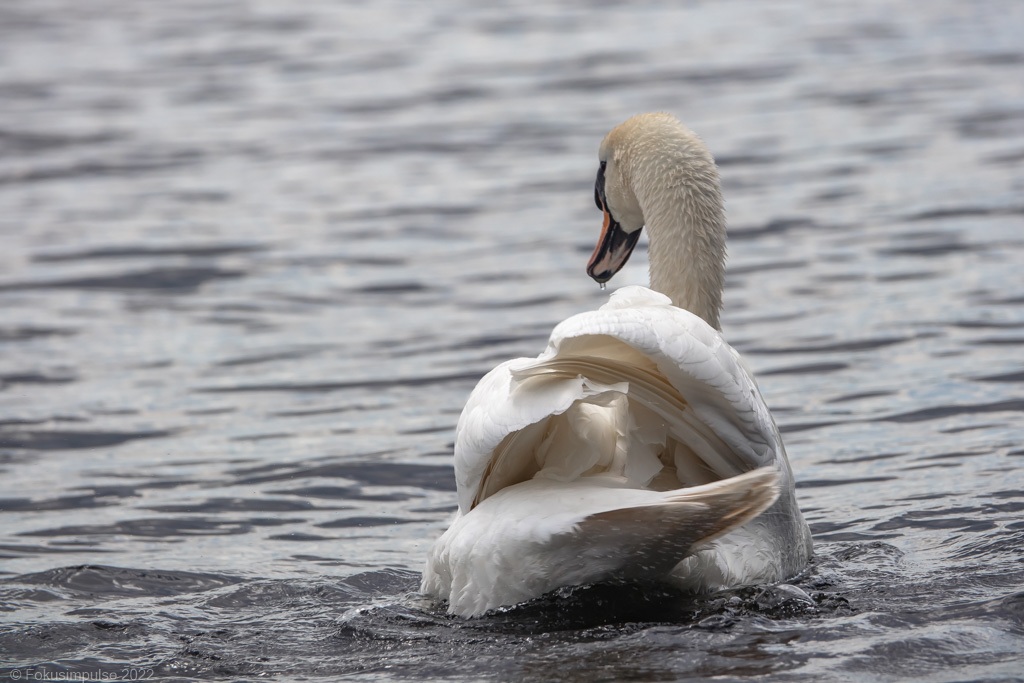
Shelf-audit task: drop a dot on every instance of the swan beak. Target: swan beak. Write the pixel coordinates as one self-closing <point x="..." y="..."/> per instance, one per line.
<point x="612" y="251"/>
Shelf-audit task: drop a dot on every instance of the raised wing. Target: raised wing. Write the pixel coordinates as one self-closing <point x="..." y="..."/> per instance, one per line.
<point x="638" y="388"/>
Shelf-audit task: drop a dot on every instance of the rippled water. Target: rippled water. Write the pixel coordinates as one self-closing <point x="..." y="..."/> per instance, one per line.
<point x="255" y="256"/>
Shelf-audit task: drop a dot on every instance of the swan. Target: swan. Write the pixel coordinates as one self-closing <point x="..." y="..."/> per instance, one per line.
<point x="637" y="446"/>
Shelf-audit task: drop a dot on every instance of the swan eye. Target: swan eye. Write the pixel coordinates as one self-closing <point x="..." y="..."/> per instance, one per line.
<point x="599" y="186"/>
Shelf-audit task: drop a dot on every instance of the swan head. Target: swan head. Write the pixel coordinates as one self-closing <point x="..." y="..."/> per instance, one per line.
<point x="623" y="218"/>
<point x="655" y="172"/>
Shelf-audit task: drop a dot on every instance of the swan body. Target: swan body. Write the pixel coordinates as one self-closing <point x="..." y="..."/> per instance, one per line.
<point x="637" y="445"/>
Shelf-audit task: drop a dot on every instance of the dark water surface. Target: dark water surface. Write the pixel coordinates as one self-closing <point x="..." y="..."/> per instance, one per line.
<point x="255" y="256"/>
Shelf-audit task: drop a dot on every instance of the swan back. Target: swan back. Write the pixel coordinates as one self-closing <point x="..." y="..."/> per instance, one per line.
<point x="677" y="379"/>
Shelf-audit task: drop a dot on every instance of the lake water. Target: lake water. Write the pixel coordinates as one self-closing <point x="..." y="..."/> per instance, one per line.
<point x="256" y="255"/>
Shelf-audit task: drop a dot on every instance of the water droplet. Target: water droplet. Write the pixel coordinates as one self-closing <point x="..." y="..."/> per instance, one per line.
<point x="601" y="285"/>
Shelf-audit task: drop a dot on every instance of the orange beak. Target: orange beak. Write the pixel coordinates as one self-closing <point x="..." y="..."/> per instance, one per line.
<point x="612" y="250"/>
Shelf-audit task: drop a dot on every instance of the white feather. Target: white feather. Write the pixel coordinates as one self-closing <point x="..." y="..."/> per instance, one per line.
<point x="638" y="444"/>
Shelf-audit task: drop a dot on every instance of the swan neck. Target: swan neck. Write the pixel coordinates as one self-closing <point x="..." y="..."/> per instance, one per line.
<point x="685" y="220"/>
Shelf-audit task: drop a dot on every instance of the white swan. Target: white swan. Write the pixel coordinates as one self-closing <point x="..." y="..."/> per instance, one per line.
<point x="637" y="446"/>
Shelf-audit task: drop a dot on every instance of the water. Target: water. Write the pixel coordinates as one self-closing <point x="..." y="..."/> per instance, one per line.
<point x="255" y="256"/>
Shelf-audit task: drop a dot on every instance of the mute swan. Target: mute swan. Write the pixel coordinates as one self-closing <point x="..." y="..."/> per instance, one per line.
<point x="637" y="446"/>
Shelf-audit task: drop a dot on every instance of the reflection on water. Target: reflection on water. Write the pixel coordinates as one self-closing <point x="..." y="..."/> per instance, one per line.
<point x="256" y="256"/>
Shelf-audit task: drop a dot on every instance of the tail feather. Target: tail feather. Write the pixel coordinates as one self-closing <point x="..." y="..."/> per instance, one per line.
<point x="646" y="541"/>
<point x="542" y="534"/>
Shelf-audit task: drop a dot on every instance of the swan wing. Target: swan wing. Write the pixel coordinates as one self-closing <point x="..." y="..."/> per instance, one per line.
<point x="681" y="378"/>
<point x="502" y="409"/>
<point x="691" y="355"/>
